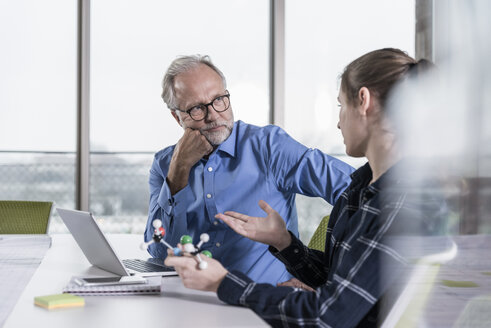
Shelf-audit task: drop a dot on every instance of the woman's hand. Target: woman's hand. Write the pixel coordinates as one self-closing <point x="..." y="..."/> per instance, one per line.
<point x="294" y="282"/>
<point x="270" y="230"/>
<point x="192" y="277"/>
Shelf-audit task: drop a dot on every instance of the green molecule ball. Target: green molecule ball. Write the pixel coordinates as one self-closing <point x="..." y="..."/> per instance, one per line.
<point x="207" y="253"/>
<point x="186" y="239"/>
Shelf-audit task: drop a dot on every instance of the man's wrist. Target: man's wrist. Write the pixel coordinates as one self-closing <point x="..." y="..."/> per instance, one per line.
<point x="177" y="178"/>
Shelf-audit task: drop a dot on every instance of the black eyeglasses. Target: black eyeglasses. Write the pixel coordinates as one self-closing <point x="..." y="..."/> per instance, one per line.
<point x="199" y="112"/>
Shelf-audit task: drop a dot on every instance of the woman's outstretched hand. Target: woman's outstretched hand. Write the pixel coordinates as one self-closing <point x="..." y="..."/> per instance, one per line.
<point x="270" y="230"/>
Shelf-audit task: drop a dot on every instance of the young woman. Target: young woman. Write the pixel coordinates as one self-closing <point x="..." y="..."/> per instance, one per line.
<point x="345" y="280"/>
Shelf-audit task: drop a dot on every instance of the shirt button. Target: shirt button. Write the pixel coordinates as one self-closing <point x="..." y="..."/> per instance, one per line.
<point x="217" y="245"/>
<point x="215" y="222"/>
<point x="208" y="195"/>
<point x="210" y="169"/>
<point x="296" y="251"/>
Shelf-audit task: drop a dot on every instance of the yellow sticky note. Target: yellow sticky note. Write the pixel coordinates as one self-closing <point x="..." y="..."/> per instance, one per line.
<point x="59" y="301"/>
<point x="456" y="283"/>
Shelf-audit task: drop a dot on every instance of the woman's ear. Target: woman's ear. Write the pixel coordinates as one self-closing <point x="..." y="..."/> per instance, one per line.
<point x="364" y="100"/>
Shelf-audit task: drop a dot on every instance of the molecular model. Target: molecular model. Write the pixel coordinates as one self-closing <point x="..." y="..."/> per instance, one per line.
<point x="186" y="242"/>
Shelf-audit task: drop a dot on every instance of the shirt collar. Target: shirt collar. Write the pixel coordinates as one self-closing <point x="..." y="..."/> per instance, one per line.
<point x="364" y="174"/>
<point x="228" y="146"/>
<point x="390" y="178"/>
<point x="361" y="175"/>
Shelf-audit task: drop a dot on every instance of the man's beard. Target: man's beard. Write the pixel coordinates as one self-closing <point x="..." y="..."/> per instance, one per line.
<point x="216" y="138"/>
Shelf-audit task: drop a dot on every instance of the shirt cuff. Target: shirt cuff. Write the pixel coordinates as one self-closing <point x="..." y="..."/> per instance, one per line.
<point x="291" y="253"/>
<point x="165" y="200"/>
<point x="234" y="288"/>
<point x="168" y="203"/>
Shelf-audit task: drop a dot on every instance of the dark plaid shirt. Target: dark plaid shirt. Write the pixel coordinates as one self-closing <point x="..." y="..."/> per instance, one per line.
<point x="347" y="276"/>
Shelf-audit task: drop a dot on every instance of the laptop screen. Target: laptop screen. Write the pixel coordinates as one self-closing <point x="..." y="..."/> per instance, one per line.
<point x="92" y="241"/>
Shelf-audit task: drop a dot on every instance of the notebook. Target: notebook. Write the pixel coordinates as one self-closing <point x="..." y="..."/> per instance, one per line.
<point x="152" y="286"/>
<point x="99" y="251"/>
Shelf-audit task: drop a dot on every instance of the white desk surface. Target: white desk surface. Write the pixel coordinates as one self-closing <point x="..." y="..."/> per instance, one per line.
<point x="469" y="306"/>
<point x="20" y="256"/>
<point x="176" y="306"/>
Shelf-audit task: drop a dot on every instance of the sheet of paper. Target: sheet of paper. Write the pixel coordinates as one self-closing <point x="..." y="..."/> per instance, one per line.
<point x="20" y="256"/>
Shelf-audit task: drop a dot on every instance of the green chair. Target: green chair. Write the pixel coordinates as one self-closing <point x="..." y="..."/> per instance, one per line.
<point x="24" y="217"/>
<point x="318" y="239"/>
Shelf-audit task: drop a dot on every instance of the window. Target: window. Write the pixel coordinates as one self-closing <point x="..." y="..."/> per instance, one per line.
<point x="321" y="38"/>
<point x="132" y="44"/>
<point x="38" y="85"/>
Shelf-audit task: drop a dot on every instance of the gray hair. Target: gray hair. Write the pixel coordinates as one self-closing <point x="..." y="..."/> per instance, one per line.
<point x="180" y="65"/>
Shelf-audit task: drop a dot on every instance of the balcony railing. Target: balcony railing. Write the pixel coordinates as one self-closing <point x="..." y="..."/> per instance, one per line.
<point x="119" y="191"/>
<point x="118" y="188"/>
<point x="118" y="185"/>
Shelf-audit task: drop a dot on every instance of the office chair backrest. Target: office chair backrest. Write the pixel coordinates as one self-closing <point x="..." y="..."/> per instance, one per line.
<point x="24" y="217"/>
<point x="318" y="239"/>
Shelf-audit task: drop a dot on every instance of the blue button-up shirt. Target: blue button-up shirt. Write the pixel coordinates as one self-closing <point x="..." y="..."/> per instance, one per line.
<point x="254" y="163"/>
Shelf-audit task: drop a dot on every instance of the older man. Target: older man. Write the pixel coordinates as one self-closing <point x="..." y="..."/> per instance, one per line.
<point x="219" y="165"/>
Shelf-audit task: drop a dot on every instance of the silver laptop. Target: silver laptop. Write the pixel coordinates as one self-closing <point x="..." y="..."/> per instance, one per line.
<point x="100" y="253"/>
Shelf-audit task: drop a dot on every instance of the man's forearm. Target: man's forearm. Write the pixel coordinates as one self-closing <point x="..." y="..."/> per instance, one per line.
<point x="177" y="177"/>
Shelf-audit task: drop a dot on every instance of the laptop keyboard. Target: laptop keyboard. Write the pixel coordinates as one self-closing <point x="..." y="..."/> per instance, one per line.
<point x="145" y="266"/>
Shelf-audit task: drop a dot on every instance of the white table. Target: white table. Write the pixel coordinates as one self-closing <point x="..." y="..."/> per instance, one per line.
<point x="463" y="306"/>
<point x="176" y="306"/>
<point x="20" y="256"/>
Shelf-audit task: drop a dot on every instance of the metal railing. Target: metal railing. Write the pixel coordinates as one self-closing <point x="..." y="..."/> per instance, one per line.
<point x="119" y="193"/>
<point x="118" y="185"/>
<point x="118" y="188"/>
